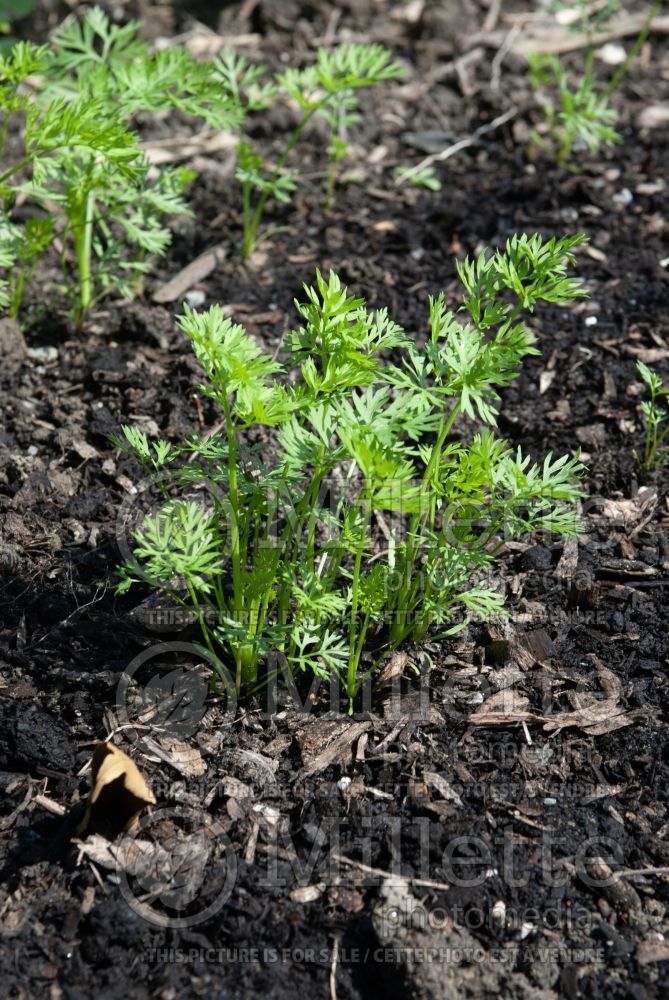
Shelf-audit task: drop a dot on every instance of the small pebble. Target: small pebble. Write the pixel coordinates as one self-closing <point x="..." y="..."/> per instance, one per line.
<point x="195" y="298"/>
<point x="550" y="802"/>
<point x="33" y="450"/>
<point x="343" y="784"/>
<point x="590" y="321"/>
<point x="623" y="197"/>
<point x="499" y="913"/>
<point x="43" y="353"/>
<point x="418" y="253"/>
<point x="613" y="54"/>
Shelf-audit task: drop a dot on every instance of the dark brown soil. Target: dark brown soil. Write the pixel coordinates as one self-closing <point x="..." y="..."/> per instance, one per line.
<point x="472" y="815"/>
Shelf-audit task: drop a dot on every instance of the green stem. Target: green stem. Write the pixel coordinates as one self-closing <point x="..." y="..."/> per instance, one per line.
<point x="4" y="131"/>
<point x="14" y="170"/>
<point x="411" y="553"/>
<point x="634" y="51"/>
<point x="245" y="659"/>
<point x="354" y="653"/>
<point x="249" y="237"/>
<point x="252" y="228"/>
<point x="83" y="243"/>
<point x="328" y="198"/>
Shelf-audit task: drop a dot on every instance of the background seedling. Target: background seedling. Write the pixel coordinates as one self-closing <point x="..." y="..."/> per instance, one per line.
<point x="655" y="451"/>
<point x="275" y="546"/>
<point x="86" y="170"/>
<point x="11" y="11"/>
<point x="327" y="89"/>
<point x="425" y="177"/>
<point x="580" y="115"/>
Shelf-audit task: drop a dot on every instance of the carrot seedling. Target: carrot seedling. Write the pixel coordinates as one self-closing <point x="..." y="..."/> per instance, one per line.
<point x="278" y="548"/>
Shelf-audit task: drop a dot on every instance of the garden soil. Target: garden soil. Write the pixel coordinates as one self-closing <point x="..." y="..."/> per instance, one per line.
<point x="497" y="824"/>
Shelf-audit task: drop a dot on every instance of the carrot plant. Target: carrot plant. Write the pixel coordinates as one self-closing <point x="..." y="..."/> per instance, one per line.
<point x="580" y="116"/>
<point x="82" y="165"/>
<point x="327" y="90"/>
<point x="656" y="444"/>
<point x="278" y="548"/>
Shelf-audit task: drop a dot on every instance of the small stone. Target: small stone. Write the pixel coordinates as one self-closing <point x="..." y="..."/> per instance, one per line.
<point x="654" y="116"/>
<point x="613" y="54"/>
<point x="650" y="187"/>
<point x="195" y="298"/>
<point x="43" y="354"/>
<point x="623" y="197"/>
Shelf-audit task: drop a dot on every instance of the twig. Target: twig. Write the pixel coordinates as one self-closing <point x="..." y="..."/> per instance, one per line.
<point x="446" y="154"/>
<point x="80" y="607"/>
<point x="559" y="42"/>
<point x="383" y="873"/>
<point x="506" y="46"/>
<point x="636" y="872"/>
<point x="46" y="803"/>
<point x="492" y="17"/>
<point x="333" y="969"/>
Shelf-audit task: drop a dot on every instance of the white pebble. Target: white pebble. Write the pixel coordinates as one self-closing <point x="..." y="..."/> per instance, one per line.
<point x="343" y="784"/>
<point x="613" y="54"/>
<point x="43" y="353"/>
<point x="623" y="197"/>
<point x="195" y="298"/>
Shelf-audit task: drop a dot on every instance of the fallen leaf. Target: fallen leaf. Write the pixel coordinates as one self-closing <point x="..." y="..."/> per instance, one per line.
<point x="507" y="701"/>
<point x="393" y="668"/>
<point x="118" y="792"/>
<point x="546" y="380"/>
<point x="183" y="758"/>
<point x="441" y="785"/>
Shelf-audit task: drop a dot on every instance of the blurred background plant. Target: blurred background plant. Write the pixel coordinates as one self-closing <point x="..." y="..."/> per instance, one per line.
<point x="10" y="12"/>
<point x="578" y="117"/>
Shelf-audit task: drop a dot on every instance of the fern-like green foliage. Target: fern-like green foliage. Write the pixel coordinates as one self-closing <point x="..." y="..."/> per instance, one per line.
<point x="354" y="437"/>
<point x="580" y="117"/>
<point x="326" y="89"/>
<point x="83" y="165"/>
<point x="656" y="419"/>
